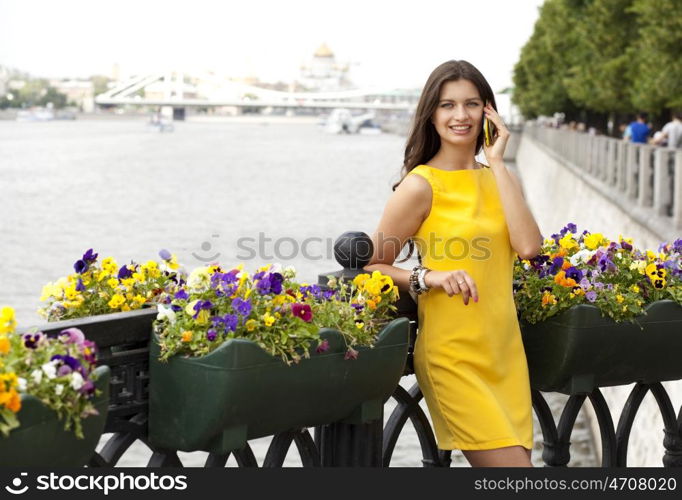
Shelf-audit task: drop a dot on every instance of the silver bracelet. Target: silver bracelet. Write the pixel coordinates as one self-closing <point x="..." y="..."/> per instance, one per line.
<point x="420" y="279"/>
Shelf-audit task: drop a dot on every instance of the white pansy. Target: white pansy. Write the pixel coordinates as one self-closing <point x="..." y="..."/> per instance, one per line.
<point x="275" y="268"/>
<point x="58" y="389"/>
<point x="583" y="255"/>
<point x="199" y="279"/>
<point x="165" y="313"/>
<point x="21" y="384"/>
<point x="77" y="380"/>
<point x="50" y="370"/>
<point x="37" y="376"/>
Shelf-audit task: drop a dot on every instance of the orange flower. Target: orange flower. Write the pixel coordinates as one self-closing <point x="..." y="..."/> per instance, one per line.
<point x="14" y="403"/>
<point x="547" y="299"/>
<point x="561" y="279"/>
<point x="4" y="344"/>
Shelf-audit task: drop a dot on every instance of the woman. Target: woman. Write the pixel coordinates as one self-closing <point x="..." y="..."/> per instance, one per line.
<point x="468" y="222"/>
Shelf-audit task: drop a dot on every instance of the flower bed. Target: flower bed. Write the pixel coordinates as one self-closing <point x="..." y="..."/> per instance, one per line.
<point x="49" y="389"/>
<point x="263" y="354"/>
<point x="595" y="312"/>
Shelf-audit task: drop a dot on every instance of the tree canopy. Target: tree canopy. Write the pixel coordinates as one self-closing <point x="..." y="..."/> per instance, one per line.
<point x="608" y="57"/>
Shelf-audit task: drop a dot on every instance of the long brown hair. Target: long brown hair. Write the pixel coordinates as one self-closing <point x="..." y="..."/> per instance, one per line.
<point x="423" y="141"/>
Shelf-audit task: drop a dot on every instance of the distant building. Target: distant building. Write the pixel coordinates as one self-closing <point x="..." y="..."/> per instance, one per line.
<point x="323" y="73"/>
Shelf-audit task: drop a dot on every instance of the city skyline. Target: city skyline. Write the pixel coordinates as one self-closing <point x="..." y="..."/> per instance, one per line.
<point x="270" y="41"/>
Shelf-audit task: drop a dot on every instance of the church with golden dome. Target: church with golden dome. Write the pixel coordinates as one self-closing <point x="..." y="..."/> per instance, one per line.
<point x="323" y="73"/>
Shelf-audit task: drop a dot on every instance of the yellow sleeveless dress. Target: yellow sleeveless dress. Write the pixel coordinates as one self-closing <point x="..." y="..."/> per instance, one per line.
<point x="469" y="360"/>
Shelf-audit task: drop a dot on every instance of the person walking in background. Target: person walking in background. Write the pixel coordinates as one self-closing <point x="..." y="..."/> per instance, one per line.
<point x="671" y="134"/>
<point x="639" y="130"/>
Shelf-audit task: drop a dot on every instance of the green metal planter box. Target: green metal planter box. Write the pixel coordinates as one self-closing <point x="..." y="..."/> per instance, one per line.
<point x="41" y="440"/>
<point x="239" y="392"/>
<point x="579" y="349"/>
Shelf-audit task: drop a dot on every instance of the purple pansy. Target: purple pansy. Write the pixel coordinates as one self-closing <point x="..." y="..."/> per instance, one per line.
<point x="72" y="336"/>
<point x="271" y="283"/>
<point x="124" y="272"/>
<point x="313" y="290"/>
<point x="322" y="346"/>
<point x="32" y="340"/>
<point x="230" y="321"/>
<point x="202" y="305"/>
<point x="89" y="256"/>
<point x="80" y="266"/>
<point x="165" y="254"/>
<point x="557" y="262"/>
<point x="70" y="362"/>
<point x="574" y="273"/>
<point x="242" y="306"/>
<point x="591" y="295"/>
<point x="181" y="294"/>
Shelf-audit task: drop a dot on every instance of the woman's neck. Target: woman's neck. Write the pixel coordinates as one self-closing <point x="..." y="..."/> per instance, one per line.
<point x="451" y="157"/>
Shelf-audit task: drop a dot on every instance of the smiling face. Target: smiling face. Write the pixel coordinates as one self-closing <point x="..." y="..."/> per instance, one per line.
<point x="458" y="118"/>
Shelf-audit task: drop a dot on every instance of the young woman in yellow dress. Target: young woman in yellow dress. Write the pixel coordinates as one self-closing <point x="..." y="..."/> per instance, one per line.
<point x="469" y="222"/>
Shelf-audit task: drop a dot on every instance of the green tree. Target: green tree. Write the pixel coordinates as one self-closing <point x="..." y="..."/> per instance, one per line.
<point x="656" y="76"/>
<point x="599" y="72"/>
<point x="545" y="61"/>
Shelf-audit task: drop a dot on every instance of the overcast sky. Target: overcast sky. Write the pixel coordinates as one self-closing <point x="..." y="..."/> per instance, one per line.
<point x="393" y="43"/>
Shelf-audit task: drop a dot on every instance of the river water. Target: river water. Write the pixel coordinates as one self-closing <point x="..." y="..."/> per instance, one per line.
<point x="244" y="190"/>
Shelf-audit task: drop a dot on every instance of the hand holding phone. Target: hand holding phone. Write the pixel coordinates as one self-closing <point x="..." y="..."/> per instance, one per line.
<point x="489" y="131"/>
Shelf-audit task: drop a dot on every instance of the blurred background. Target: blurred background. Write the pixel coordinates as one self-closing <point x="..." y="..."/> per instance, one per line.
<point x="260" y="131"/>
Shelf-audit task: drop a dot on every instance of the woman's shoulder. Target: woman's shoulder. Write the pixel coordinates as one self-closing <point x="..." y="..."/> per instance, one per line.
<point x="416" y="182"/>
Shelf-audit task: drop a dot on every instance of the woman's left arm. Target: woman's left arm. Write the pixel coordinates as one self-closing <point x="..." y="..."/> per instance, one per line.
<point x="524" y="233"/>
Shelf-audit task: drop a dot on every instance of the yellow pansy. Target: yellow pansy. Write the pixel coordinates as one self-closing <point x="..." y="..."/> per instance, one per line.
<point x="109" y="265"/>
<point x="567" y="242"/>
<point x="117" y="300"/>
<point x="594" y="240"/>
<point x="112" y="282"/>
<point x="620" y="298"/>
<point x="639" y="265"/>
<point x="189" y="308"/>
<point x="7" y="320"/>
<point x="70" y="292"/>
<point x="360" y="279"/>
<point x="634" y="288"/>
<point x="187" y="335"/>
<point x="202" y="317"/>
<point x="268" y="319"/>
<point x="139" y="299"/>
<point x="250" y="325"/>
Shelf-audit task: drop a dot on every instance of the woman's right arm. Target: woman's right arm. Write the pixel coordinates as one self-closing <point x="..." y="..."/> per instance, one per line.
<point x="405" y="211"/>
